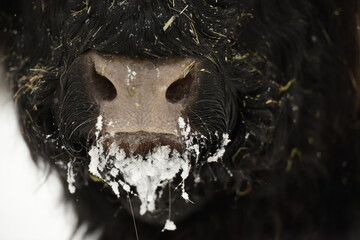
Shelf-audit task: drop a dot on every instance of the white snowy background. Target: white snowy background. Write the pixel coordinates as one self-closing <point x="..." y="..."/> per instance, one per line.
<point x="30" y="201"/>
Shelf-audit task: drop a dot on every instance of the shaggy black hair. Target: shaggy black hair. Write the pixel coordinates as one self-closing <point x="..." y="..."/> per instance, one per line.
<point x="284" y="86"/>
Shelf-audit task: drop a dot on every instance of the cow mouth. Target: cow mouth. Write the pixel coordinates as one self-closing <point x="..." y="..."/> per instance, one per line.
<point x="142" y="143"/>
<point x="143" y="165"/>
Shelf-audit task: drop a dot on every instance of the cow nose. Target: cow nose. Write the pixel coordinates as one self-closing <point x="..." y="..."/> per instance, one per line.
<point x="141" y="95"/>
<point x="114" y="74"/>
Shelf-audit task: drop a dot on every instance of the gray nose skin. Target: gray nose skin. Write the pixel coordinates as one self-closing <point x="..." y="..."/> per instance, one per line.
<point x="141" y="95"/>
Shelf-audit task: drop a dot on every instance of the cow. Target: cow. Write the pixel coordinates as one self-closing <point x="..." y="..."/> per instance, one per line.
<point x="194" y="119"/>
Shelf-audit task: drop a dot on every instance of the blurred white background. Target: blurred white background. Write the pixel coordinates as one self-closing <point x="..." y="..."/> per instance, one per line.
<point x="30" y="201"/>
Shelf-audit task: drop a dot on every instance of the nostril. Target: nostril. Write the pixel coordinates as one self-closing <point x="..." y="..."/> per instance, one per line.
<point x="103" y="87"/>
<point x="180" y="89"/>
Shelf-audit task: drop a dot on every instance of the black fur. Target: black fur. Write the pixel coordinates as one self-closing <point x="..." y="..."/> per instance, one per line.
<point x="284" y="86"/>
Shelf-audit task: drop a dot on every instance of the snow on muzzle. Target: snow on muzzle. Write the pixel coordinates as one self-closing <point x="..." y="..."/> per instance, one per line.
<point x="145" y="161"/>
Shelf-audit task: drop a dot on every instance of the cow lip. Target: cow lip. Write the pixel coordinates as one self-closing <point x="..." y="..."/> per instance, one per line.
<point x="142" y="143"/>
